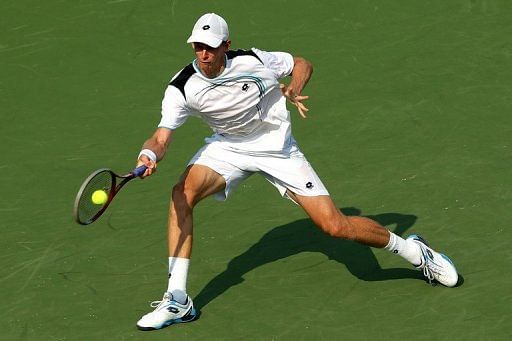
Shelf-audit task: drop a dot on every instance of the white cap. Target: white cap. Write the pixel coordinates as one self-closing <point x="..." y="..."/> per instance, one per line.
<point x="210" y="29"/>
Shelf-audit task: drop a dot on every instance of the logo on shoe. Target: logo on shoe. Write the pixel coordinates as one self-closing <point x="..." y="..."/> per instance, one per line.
<point x="245" y="87"/>
<point x="173" y="309"/>
<point x="309" y="185"/>
<point x="206" y="27"/>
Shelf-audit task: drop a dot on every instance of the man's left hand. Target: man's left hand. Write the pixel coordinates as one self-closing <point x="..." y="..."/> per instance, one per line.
<point x="295" y="99"/>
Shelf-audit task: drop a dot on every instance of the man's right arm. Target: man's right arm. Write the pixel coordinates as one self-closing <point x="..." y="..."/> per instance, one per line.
<point x="154" y="149"/>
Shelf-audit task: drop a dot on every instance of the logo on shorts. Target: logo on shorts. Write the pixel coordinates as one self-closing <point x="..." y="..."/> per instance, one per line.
<point x="309" y="185"/>
<point x="245" y="87"/>
<point x="206" y="27"/>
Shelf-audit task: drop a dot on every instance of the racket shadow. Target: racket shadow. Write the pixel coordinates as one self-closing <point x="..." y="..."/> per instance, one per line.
<point x="302" y="236"/>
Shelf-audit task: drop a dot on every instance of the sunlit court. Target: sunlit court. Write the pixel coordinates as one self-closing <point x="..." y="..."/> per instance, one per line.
<point x="408" y="124"/>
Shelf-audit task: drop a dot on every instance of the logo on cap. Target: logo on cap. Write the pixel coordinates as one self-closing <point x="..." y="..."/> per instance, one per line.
<point x="206" y="27"/>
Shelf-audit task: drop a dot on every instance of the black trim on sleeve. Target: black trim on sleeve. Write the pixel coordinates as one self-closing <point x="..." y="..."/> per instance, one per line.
<point x="233" y="54"/>
<point x="180" y="81"/>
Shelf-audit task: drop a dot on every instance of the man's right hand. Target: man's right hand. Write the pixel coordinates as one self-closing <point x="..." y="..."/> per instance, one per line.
<point x="155" y="146"/>
<point x="151" y="166"/>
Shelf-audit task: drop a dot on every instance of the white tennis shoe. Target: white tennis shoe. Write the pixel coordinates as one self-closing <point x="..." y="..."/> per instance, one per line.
<point x="435" y="265"/>
<point x="167" y="312"/>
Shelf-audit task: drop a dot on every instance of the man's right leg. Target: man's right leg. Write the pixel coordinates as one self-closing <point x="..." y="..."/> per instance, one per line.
<point x="196" y="183"/>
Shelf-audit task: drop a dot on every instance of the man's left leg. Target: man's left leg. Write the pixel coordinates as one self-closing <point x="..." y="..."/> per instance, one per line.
<point x="414" y="249"/>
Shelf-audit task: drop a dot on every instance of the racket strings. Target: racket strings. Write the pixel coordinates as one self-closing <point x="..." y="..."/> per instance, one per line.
<point x="87" y="209"/>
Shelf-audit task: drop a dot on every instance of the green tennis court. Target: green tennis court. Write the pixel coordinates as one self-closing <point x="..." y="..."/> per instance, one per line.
<point x="410" y="123"/>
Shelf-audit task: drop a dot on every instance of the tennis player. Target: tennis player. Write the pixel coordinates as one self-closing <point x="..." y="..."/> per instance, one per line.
<point x="239" y="95"/>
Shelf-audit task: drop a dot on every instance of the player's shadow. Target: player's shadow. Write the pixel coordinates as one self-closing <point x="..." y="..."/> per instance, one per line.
<point x="302" y="236"/>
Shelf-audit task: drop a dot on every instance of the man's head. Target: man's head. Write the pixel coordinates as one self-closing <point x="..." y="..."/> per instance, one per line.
<point x="211" y="29"/>
<point x="210" y="42"/>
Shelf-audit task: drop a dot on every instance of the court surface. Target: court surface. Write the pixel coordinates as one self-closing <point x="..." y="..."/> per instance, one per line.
<point x="410" y="123"/>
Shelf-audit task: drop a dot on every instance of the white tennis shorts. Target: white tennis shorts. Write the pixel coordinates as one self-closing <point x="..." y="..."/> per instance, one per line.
<point x="285" y="171"/>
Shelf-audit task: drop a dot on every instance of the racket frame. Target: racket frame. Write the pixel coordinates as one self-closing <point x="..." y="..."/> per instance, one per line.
<point x="115" y="188"/>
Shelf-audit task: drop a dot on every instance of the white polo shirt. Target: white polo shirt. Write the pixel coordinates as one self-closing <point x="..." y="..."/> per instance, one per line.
<point x="243" y="105"/>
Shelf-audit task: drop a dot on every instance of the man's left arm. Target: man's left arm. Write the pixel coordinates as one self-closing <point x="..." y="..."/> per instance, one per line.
<point x="301" y="73"/>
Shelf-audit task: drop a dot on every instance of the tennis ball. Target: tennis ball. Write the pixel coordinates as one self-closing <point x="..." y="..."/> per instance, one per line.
<point x="99" y="197"/>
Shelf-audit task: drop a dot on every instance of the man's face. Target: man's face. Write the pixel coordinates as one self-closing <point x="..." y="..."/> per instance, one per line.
<point x="211" y="60"/>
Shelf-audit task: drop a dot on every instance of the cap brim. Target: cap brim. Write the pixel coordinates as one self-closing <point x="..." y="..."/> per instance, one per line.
<point x="205" y="39"/>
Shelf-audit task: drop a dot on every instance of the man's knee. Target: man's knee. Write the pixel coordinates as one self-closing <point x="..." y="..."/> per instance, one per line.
<point x="181" y="199"/>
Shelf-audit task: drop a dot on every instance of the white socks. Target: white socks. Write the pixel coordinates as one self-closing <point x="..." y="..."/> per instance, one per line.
<point x="178" y="271"/>
<point x="409" y="250"/>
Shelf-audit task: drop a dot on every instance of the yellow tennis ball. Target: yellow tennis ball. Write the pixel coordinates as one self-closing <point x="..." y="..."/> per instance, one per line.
<point x="99" y="197"/>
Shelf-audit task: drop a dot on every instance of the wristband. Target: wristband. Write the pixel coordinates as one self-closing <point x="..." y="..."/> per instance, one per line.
<point x="149" y="153"/>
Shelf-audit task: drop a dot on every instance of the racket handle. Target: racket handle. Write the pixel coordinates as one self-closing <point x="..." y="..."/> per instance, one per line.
<point x="139" y="170"/>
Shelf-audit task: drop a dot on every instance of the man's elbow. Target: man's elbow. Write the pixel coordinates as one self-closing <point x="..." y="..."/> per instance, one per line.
<point x="301" y="62"/>
<point x="162" y="137"/>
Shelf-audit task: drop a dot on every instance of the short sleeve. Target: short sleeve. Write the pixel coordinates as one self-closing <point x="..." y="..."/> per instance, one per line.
<point x="174" y="110"/>
<point x="281" y="63"/>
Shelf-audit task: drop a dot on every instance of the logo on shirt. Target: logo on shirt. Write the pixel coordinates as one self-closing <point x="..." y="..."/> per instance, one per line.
<point x="309" y="185"/>
<point x="245" y="87"/>
<point x="206" y="27"/>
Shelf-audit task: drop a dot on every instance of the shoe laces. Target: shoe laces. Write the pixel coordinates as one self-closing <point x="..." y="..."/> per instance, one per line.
<point x="428" y="266"/>
<point x="428" y="273"/>
<point x="430" y="269"/>
<point x="157" y="304"/>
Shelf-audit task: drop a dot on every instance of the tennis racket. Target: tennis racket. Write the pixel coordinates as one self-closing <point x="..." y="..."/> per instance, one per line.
<point x="87" y="210"/>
